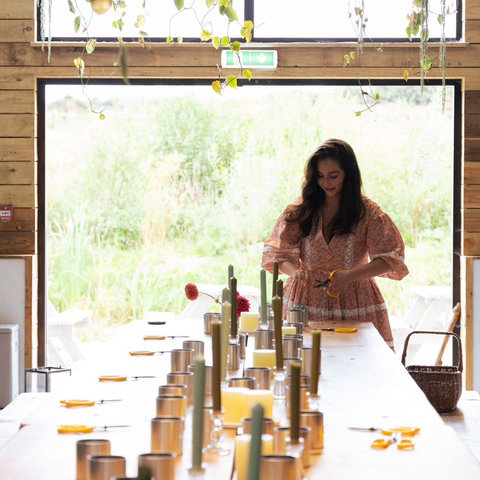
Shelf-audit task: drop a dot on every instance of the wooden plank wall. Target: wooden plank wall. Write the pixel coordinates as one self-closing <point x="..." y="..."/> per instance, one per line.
<point x="22" y="62"/>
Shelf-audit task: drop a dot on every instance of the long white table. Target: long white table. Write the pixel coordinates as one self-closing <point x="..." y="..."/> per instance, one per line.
<point x="362" y="384"/>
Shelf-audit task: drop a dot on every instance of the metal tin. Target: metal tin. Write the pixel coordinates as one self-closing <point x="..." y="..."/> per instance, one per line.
<point x="181" y="358"/>
<point x="198" y="347"/>
<point x="269" y="310"/>
<point x="268" y="426"/>
<point x="280" y="436"/>
<point x="161" y="465"/>
<point x="304" y="389"/>
<point x="90" y="447"/>
<point x="287" y="362"/>
<point x="172" y="390"/>
<point x="167" y="435"/>
<point x="245" y="382"/>
<point x="172" y="406"/>
<point x="279" y="467"/>
<point x="270" y="323"/>
<point x="104" y="467"/>
<point x="305" y="353"/>
<point x="264" y="339"/>
<point x="304" y="380"/>
<point x="298" y="326"/>
<point x="261" y="375"/>
<point x="290" y="347"/>
<point x="294" y="316"/>
<point x="207" y="321"/>
<point x="208" y="378"/>
<point x="233" y="356"/>
<point x="314" y="420"/>
<point x="182" y="378"/>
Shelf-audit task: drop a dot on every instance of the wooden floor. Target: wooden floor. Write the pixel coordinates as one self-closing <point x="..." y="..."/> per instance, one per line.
<point x="362" y="384"/>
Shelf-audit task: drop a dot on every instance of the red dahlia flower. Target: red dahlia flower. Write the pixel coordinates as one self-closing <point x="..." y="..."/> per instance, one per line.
<point x="243" y="305"/>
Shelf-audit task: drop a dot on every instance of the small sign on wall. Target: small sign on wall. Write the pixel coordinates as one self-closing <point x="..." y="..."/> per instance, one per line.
<point x="6" y="213"/>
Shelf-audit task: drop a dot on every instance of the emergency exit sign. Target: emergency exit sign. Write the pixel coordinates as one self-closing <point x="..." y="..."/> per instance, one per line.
<point x="250" y="59"/>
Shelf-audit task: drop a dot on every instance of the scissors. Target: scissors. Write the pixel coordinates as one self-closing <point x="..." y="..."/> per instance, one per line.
<point x="85" y="403"/>
<point x="383" y="443"/>
<point x="85" y="428"/>
<point x="404" y="431"/>
<point x="327" y="282"/>
<point x="121" y="378"/>
<point x="340" y="330"/>
<point x="162" y="337"/>
<point x="147" y="353"/>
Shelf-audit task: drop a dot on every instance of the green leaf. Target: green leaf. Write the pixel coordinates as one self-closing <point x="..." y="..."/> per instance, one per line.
<point x="418" y="3"/>
<point x="71" y="6"/>
<point x="377" y="96"/>
<point x="141" y="41"/>
<point x="416" y="28"/>
<point x="440" y="19"/>
<point x="76" y="24"/>
<point x="143" y="33"/>
<point x="210" y="3"/>
<point x="114" y="24"/>
<point x="121" y="23"/>
<point x="247" y="74"/>
<point x="358" y="114"/>
<point x="141" y="20"/>
<point x="123" y="4"/>
<point x="248" y="24"/>
<point x="217" y="86"/>
<point x="124" y="64"/>
<point x="90" y="47"/>
<point x="352" y="55"/>
<point x="216" y="42"/>
<point x="80" y="64"/>
<point x="235" y="46"/>
<point x="232" y="81"/>
<point x="206" y="36"/>
<point x="409" y="32"/>
<point x="180" y="40"/>
<point x="405" y="75"/>
<point x="225" y="41"/>
<point x="169" y="39"/>
<point x="346" y="60"/>
<point x="248" y="37"/>
<point x="102" y="116"/>
<point x="179" y="4"/>
<point x="231" y="14"/>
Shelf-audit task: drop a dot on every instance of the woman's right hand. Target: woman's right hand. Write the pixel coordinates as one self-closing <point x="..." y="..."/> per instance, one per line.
<point x="300" y="274"/>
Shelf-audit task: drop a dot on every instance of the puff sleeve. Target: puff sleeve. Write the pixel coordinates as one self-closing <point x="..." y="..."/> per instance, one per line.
<point x="283" y="244"/>
<point x="385" y="241"/>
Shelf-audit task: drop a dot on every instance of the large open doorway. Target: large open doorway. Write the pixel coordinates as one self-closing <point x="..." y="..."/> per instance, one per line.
<point x="177" y="183"/>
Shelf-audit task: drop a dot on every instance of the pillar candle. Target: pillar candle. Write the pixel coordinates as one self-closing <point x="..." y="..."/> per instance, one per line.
<point x="197" y="434"/>
<point x="295" y="401"/>
<point x="275" y="278"/>
<point x="248" y="321"/>
<point x="242" y="452"/>
<point x="225" y="328"/>
<point x="234" y="321"/>
<point x="232" y="402"/>
<point x="316" y="338"/>
<point x="216" y="368"/>
<point x="226" y="295"/>
<point x="263" y="294"/>
<point x="264" y="358"/>
<point x="277" y="312"/>
<point x="260" y="397"/>
<point x="256" y="443"/>
<point x="289" y="330"/>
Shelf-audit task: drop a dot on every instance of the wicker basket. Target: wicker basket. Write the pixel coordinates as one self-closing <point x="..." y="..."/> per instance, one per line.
<point x="441" y="385"/>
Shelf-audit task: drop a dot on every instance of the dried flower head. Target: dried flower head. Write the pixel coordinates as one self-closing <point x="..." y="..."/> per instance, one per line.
<point x="191" y="291"/>
<point x="243" y="305"/>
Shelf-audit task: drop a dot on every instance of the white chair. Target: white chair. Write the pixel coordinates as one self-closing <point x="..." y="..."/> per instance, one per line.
<point x="60" y="334"/>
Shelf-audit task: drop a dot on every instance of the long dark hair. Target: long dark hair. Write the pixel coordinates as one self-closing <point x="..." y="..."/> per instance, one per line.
<point x="351" y="208"/>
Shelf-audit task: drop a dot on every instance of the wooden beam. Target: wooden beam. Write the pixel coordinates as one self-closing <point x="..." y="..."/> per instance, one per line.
<point x="18" y="9"/>
<point x="471" y="219"/>
<point x="20" y="196"/>
<point x="21" y="125"/>
<point x="17" y="79"/>
<point x="17" y="149"/>
<point x="472" y="31"/>
<point x="472" y="103"/>
<point x="472" y="126"/>
<point x="17" y="173"/>
<point x="17" y="101"/>
<point x="18" y="243"/>
<point x="13" y="31"/>
<point x="472" y="10"/>
<point x="471" y="173"/>
<point x="466" y="267"/>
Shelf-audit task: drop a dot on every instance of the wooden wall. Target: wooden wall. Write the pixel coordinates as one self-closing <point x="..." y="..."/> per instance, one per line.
<point x="22" y="62"/>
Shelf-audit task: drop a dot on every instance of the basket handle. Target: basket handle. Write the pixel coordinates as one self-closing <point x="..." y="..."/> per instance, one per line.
<point x="460" y="356"/>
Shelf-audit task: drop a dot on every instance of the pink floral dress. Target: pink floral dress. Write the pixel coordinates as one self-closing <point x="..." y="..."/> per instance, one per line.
<point x="375" y="236"/>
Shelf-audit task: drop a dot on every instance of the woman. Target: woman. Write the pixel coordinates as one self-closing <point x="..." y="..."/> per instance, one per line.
<point x="333" y="226"/>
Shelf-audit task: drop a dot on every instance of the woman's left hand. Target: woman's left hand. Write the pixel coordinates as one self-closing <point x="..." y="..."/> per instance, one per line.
<point x="341" y="280"/>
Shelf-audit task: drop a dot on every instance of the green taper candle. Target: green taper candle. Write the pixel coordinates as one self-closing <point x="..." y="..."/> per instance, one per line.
<point x="280" y="289"/>
<point x="295" y="401"/>
<point x="275" y="278"/>
<point x="216" y="368"/>
<point x="225" y="329"/>
<point x="277" y="312"/>
<point x="234" y="322"/>
<point x="263" y="293"/>
<point x="230" y="275"/>
<point x="256" y="443"/>
<point x="316" y="339"/>
<point x="197" y="434"/>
